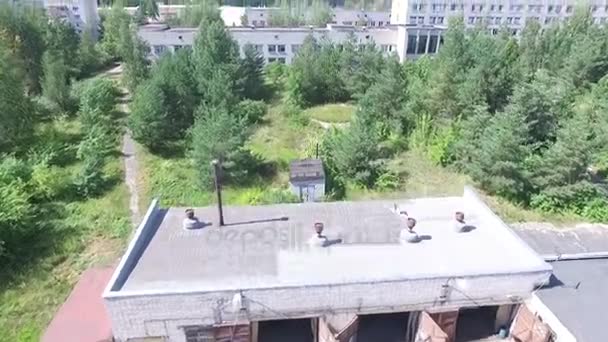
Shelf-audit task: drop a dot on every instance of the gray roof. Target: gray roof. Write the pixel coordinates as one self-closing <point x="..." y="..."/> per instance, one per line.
<point x="578" y="296"/>
<point x="306" y="169"/>
<point x="266" y="246"/>
<point x="548" y="240"/>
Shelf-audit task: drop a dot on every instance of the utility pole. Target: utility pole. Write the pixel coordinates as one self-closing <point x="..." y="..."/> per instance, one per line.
<point x="218" y="189"/>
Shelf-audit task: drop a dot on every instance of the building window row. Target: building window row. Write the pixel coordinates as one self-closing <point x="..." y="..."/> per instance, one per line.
<point x="422" y="44"/>
<point x="436" y="20"/>
<point x="280" y="60"/>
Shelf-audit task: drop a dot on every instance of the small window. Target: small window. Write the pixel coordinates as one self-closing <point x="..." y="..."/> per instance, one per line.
<point x="420" y="20"/>
<point x="177" y="47"/>
<point x="499" y="8"/>
<point x="381" y="23"/>
<point x="281" y="60"/>
<point x="281" y="48"/>
<point x="471" y="20"/>
<point x="568" y="9"/>
<point x="199" y="334"/>
<point x="412" y="20"/>
<point x="272" y="48"/>
<point x="516" y="20"/>
<point x="594" y="9"/>
<point x="262" y="23"/>
<point x="432" y="20"/>
<point x="272" y="60"/>
<point x="159" y="49"/>
<point x="492" y="8"/>
<point x="558" y="8"/>
<point x="440" y="20"/>
<point x="550" y="9"/>
<point x="348" y="22"/>
<point x="453" y="7"/>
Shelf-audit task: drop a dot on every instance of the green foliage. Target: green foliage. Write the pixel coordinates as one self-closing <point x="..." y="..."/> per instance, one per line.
<point x="356" y="153"/>
<point x="133" y="51"/>
<point x="16" y="110"/>
<point x="217" y="135"/>
<point x="276" y="74"/>
<point x="251" y="69"/>
<point x="113" y="25"/>
<point x="21" y="32"/>
<point x="251" y="111"/>
<point x="55" y="87"/>
<point x="62" y="41"/>
<point x="497" y="163"/>
<point x="216" y="64"/>
<point x="89" y="57"/>
<point x="195" y="12"/>
<point x="97" y="102"/>
<point x="150" y="119"/>
<point x="149" y="9"/>
<point x="162" y="108"/>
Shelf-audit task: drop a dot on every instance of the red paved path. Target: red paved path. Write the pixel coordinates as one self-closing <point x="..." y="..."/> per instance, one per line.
<point x="83" y="317"/>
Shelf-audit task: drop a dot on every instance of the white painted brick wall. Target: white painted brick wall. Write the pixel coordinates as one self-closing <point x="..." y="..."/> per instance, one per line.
<point x="142" y="316"/>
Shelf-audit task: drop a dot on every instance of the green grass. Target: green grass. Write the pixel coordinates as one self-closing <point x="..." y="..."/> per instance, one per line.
<point x="85" y="233"/>
<point x="332" y="113"/>
<point x="277" y="140"/>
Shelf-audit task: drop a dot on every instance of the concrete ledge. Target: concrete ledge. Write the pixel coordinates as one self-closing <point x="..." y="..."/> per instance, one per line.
<point x="136" y="247"/>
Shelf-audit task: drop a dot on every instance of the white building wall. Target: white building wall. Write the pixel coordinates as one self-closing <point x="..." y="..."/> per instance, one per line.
<point x="81" y="14"/>
<point x="275" y="44"/>
<point x="167" y="314"/>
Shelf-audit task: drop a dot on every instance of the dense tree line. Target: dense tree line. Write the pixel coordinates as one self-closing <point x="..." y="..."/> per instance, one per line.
<point x="203" y="99"/>
<point x="525" y="117"/>
<point x="42" y="62"/>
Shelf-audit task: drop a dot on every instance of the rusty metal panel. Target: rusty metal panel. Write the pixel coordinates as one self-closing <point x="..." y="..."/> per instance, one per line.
<point x="527" y="327"/>
<point x="429" y="330"/>
<point x="232" y="333"/>
<point x="447" y="321"/>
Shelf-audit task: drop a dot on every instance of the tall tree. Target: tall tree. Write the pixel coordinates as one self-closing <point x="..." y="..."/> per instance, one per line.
<point x="16" y="110"/>
<point x="55" y="86"/>
<point x="215" y="57"/>
<point x="498" y="163"/>
<point x="133" y="52"/>
<point x="252" y="68"/>
<point x="112" y="25"/>
<point x="148" y="8"/>
<point x="21" y="32"/>
<point x="217" y="134"/>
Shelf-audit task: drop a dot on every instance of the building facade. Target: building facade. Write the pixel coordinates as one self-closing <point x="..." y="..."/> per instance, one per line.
<point x="280" y="45"/>
<point x="81" y="14"/>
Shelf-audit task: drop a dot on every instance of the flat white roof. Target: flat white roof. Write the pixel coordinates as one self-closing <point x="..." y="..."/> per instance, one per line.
<point x="266" y="247"/>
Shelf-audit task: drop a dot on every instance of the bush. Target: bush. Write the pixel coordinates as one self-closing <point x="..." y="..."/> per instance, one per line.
<point x="387" y="180"/>
<point x="582" y="199"/>
<point x="252" y="111"/>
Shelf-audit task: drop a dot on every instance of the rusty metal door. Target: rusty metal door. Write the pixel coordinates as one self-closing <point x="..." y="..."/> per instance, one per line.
<point x="527" y="327"/>
<point x="429" y="330"/>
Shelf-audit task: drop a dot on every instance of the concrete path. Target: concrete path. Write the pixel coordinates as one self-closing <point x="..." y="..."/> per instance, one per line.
<point x="129" y="149"/>
<point x="131" y="175"/>
<point x="547" y="239"/>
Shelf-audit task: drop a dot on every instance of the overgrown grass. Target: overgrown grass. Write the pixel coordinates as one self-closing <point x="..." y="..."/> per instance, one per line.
<point x="332" y="113"/>
<point x="82" y="233"/>
<point x="279" y="139"/>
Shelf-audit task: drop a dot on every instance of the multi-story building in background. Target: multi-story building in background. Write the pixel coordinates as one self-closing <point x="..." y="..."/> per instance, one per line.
<point x="412" y="28"/>
<point x="81" y="14"/>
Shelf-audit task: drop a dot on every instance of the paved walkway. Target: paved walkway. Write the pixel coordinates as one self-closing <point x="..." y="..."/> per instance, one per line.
<point x="547" y="239"/>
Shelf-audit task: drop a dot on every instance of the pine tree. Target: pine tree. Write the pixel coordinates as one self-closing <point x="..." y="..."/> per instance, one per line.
<point x="252" y="68"/>
<point x="498" y="162"/>
<point x="150" y="122"/>
<point x="217" y="134"/>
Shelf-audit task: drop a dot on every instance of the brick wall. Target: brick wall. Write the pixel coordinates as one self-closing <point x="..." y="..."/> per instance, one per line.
<point x="166" y="314"/>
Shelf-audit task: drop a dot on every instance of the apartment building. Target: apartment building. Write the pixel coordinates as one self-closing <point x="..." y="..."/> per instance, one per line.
<point x="277" y="44"/>
<point x="499" y="13"/>
<point x="260" y="276"/>
<point x="81" y="14"/>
